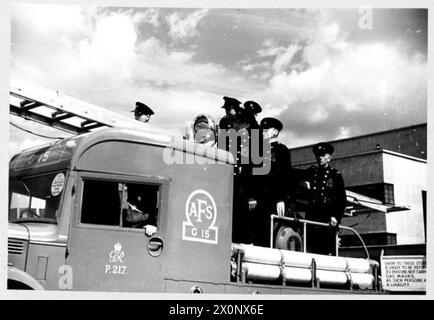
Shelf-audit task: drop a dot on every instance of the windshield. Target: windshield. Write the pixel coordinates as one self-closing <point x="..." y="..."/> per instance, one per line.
<point x="35" y="198"/>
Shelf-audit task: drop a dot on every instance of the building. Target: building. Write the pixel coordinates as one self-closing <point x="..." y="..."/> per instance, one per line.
<point x="390" y="168"/>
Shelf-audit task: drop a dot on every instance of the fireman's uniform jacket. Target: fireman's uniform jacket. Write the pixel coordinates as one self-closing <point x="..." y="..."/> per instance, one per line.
<point x="270" y="189"/>
<point x="327" y="199"/>
<point x="327" y="196"/>
<point x="273" y="187"/>
<point x="226" y="123"/>
<point x="242" y="225"/>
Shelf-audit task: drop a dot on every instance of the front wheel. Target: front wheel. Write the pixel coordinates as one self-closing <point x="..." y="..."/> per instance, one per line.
<point x="16" y="285"/>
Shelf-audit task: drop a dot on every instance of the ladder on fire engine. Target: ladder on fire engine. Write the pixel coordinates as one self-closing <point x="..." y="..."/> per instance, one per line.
<point x="57" y="110"/>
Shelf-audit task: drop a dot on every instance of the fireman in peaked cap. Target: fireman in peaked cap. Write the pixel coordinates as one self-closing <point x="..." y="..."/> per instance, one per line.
<point x="140" y="213"/>
<point x="272" y="191"/>
<point x="252" y="109"/>
<point x="142" y="112"/>
<point x="235" y="121"/>
<point x="233" y="109"/>
<point x="231" y="104"/>
<point x="327" y="200"/>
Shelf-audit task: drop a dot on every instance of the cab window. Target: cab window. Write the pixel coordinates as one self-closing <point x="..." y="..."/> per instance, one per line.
<point x="120" y="204"/>
<point x="36" y="198"/>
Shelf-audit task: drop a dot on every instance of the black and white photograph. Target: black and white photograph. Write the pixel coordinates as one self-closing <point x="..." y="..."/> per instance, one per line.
<point x="221" y="150"/>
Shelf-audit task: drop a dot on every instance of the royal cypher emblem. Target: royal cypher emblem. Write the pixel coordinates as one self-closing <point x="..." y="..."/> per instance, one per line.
<point x="117" y="254"/>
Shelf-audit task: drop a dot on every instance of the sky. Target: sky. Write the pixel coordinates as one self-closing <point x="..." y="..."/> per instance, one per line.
<point x="326" y="74"/>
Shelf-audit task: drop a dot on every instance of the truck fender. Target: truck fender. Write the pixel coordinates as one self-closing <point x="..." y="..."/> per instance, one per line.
<point x="18" y="275"/>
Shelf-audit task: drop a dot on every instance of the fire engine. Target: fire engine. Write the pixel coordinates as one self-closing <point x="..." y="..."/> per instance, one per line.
<point x="67" y="227"/>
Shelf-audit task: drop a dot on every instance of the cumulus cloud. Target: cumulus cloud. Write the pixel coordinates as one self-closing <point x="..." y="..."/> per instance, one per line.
<point x="150" y="16"/>
<point x="111" y="58"/>
<point x="346" y="85"/>
<point x="111" y="46"/>
<point x="320" y="83"/>
<point x="161" y="66"/>
<point x="112" y="65"/>
<point x="46" y="19"/>
<point x="276" y="58"/>
<point x="20" y="140"/>
<point x="182" y="28"/>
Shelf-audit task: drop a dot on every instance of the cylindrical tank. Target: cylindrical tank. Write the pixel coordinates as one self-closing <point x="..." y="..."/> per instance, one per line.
<point x="267" y="272"/>
<point x="303" y="260"/>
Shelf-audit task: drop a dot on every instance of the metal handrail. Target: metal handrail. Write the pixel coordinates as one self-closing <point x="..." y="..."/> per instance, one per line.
<point x="306" y="222"/>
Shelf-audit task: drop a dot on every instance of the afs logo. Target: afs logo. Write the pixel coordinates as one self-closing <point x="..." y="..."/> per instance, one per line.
<point x="201" y="214"/>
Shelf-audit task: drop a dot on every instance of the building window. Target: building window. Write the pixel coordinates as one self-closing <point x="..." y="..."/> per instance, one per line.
<point x="380" y="191"/>
<point x="120" y="204"/>
<point x="389" y="194"/>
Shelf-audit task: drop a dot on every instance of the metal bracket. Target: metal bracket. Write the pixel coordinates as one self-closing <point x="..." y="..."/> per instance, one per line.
<point x="282" y="268"/>
<point x="315" y="283"/>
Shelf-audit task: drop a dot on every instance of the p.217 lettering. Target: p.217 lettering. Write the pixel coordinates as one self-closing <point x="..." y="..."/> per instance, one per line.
<point x="116" y="263"/>
<point x="115" y="269"/>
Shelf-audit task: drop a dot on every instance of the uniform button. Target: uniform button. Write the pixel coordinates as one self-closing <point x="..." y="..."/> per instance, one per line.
<point x="314" y="188"/>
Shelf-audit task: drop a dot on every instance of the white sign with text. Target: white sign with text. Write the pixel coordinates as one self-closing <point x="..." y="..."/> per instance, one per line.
<point x="403" y="273"/>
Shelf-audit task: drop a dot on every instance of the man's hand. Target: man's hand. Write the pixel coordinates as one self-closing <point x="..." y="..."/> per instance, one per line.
<point x="280" y="206"/>
<point x="333" y="222"/>
<point x="338" y="241"/>
<point x="150" y="229"/>
<point x="252" y="204"/>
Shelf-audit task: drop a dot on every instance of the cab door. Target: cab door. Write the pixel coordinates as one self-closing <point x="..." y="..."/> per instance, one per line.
<point x="105" y="253"/>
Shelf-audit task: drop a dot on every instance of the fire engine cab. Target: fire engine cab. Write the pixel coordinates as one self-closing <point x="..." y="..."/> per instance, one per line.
<point x="68" y="202"/>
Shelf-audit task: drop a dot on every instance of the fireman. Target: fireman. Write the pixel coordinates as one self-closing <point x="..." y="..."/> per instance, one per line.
<point x="142" y="112"/>
<point x="271" y="192"/>
<point x="326" y="202"/>
<point x="252" y="109"/>
<point x="138" y="218"/>
<point x="232" y="108"/>
<point x="203" y="130"/>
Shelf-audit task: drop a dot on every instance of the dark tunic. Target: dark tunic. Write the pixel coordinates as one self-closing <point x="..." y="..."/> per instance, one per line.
<point x="242" y="222"/>
<point x="226" y="123"/>
<point x="327" y="198"/>
<point x="274" y="185"/>
<point x="270" y="189"/>
<point x="327" y="193"/>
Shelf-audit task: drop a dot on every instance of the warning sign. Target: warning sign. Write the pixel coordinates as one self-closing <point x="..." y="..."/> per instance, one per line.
<point x="403" y="273"/>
